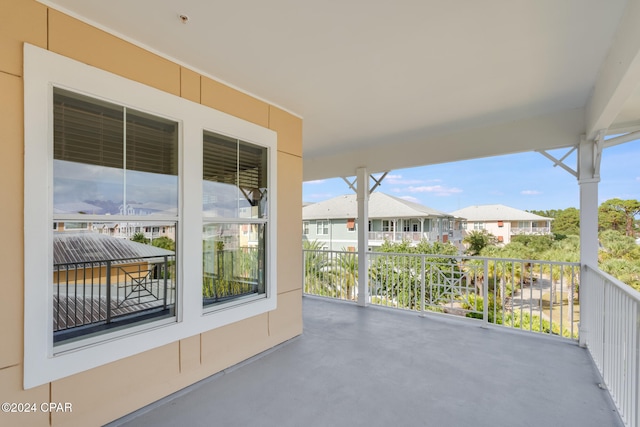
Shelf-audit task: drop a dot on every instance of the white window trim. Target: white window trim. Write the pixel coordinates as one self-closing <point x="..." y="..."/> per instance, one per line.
<point x="320" y="224"/>
<point x="43" y="70"/>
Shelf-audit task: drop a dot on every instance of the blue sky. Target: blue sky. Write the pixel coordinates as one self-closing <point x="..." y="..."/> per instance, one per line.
<point x="524" y="181"/>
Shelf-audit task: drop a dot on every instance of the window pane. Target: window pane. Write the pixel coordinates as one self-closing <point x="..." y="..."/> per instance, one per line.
<point x="252" y="179"/>
<point x="91" y="173"/>
<point x="233" y="261"/>
<point x="234" y="178"/>
<point x="103" y="282"/>
<point x="87" y="130"/>
<point x="86" y="188"/>
<point x="152" y="164"/>
<point x="219" y="168"/>
<point x="88" y="155"/>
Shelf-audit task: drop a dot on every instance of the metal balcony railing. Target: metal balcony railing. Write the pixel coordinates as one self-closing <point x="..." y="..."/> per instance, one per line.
<point x="530" y="230"/>
<point x="411" y="236"/>
<point x="97" y="295"/>
<point x="545" y="297"/>
<point x="610" y="329"/>
<point x="331" y="274"/>
<point x="230" y="274"/>
<point x="531" y="295"/>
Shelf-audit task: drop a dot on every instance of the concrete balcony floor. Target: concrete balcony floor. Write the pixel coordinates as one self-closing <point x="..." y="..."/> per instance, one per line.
<point x="372" y="366"/>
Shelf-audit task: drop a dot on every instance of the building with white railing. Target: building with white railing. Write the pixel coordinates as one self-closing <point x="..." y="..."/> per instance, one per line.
<point x="503" y="221"/>
<point x="333" y="222"/>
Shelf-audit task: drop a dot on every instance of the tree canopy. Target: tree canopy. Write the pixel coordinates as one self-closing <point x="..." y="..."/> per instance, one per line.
<point x="618" y="214"/>
<point x="613" y="214"/>
<point x="478" y="240"/>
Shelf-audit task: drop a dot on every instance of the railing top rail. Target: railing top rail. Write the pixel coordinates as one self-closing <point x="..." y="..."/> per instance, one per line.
<point x="456" y="257"/>
<point x="631" y="293"/>
<point x="116" y="260"/>
<point x="478" y="258"/>
<point x="329" y="251"/>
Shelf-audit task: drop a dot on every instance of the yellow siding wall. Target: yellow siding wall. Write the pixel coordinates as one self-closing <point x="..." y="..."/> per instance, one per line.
<point x="111" y="391"/>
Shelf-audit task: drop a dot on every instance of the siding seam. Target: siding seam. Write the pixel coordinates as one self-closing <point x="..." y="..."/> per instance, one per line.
<point x="10" y="74"/>
<point x="292" y="290"/>
<point x="10" y="366"/>
<point x="48" y="31"/>
<point x="291" y="154"/>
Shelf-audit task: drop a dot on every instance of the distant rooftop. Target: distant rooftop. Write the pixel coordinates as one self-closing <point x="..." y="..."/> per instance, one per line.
<point x="497" y="213"/>
<point x="381" y="205"/>
<point x="84" y="246"/>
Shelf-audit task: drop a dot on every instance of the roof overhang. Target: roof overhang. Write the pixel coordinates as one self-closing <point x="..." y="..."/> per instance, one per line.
<point x="390" y="85"/>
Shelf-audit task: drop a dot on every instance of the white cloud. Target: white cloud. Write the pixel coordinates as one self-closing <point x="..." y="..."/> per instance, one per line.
<point x="530" y="192"/>
<point x="437" y="190"/>
<point x="399" y="180"/>
<point x="317" y="181"/>
<point x="637" y="178"/>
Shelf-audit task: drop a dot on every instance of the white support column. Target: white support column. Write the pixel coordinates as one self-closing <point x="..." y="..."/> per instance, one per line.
<point x="588" y="178"/>
<point x="362" y="196"/>
<point x="394" y="225"/>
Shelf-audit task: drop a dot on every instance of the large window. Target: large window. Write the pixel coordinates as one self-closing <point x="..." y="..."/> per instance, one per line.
<point x="235" y="200"/>
<point x="110" y="161"/>
<point x="128" y="205"/>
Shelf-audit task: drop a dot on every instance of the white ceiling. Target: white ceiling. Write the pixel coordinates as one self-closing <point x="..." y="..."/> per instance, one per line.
<point x="395" y="84"/>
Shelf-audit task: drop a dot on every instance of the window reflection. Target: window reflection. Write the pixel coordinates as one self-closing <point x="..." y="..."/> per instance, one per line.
<point x="233" y="261"/>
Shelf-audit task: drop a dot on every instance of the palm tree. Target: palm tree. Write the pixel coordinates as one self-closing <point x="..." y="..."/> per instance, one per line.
<point x="140" y="238"/>
<point x="478" y="240"/>
<point x="316" y="262"/>
<point x="345" y="268"/>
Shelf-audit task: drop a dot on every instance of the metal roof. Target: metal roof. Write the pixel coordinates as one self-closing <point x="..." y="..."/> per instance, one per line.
<point x="496" y="213"/>
<point x="85" y="246"/>
<point x="381" y="205"/>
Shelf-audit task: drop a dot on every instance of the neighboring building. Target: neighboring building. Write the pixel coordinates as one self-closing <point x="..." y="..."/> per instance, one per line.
<point x="127" y="230"/>
<point x="333" y="222"/>
<point x="503" y="221"/>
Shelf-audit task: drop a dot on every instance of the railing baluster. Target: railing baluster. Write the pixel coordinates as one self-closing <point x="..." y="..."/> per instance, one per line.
<point x="423" y="275"/>
<point x="485" y="294"/>
<point x="108" y="272"/>
<point x="166" y="273"/>
<point x="635" y="375"/>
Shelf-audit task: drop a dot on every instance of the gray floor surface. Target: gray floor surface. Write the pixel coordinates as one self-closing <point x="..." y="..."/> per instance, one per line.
<point x="357" y="366"/>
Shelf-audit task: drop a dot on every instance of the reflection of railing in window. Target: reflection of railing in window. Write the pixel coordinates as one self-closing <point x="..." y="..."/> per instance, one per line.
<point x="231" y="274"/>
<point x="98" y="295"/>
